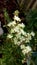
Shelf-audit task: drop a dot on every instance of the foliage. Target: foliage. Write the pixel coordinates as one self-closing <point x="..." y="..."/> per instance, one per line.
<point x="32" y="25"/>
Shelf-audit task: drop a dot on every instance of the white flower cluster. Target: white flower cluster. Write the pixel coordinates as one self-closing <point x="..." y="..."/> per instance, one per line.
<point x="18" y="35"/>
<point x="21" y="36"/>
<point x="25" y="49"/>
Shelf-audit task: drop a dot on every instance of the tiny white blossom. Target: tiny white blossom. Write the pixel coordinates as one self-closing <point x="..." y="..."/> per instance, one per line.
<point x="15" y="41"/>
<point x="9" y="24"/>
<point x="13" y="23"/>
<point x="18" y="43"/>
<point x="16" y="12"/>
<point x="22" y="38"/>
<point x="12" y="31"/>
<point x="22" y="46"/>
<point x="29" y="36"/>
<point x="16" y="29"/>
<point x="21" y="41"/>
<point x="16" y="18"/>
<point x="21" y="25"/>
<point x="32" y="33"/>
<point x="28" y="49"/>
<point x="23" y="60"/>
<point x="9" y="36"/>
<point x="24" y="51"/>
<point x="27" y="40"/>
<point x="22" y="31"/>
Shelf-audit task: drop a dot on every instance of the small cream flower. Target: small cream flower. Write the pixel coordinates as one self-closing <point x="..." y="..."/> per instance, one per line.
<point x="23" y="60"/>
<point x="16" y="18"/>
<point x="32" y="33"/>
<point x="16" y="12"/>
<point x="22" y="31"/>
<point x="16" y="30"/>
<point x="10" y="24"/>
<point x="29" y="36"/>
<point x="9" y="36"/>
<point x="22" y="46"/>
<point x="15" y="41"/>
<point x="13" y="23"/>
<point x="28" y="49"/>
<point x="12" y="31"/>
<point x="27" y="40"/>
<point x="24" y="51"/>
<point x="21" y="25"/>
